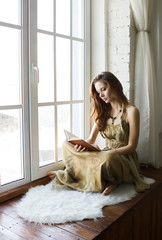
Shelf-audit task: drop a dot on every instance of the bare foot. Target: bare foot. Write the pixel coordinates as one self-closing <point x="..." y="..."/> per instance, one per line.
<point x="52" y="174"/>
<point x="109" y="189"/>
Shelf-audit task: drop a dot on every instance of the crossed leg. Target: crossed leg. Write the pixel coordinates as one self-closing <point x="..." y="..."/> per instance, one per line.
<point x="107" y="190"/>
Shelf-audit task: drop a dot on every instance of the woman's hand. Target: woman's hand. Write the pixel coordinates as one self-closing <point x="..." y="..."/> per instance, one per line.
<point x="79" y="148"/>
<point x="96" y="146"/>
<point x="91" y="139"/>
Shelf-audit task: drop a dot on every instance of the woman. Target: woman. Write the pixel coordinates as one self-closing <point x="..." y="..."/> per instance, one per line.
<point x="118" y="122"/>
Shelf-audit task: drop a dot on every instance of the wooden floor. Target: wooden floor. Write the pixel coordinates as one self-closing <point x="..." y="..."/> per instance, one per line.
<point x="137" y="219"/>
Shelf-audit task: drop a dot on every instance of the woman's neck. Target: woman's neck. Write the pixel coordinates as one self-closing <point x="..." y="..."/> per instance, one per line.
<point x="115" y="107"/>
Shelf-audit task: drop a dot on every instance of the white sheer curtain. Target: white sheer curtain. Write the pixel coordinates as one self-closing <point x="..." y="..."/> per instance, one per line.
<point x="145" y="85"/>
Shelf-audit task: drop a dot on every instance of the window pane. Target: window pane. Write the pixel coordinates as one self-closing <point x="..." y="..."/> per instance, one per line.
<point x="45" y="15"/>
<point x="10" y="63"/>
<point x="10" y="11"/>
<point x="46" y="136"/>
<point x="78" y="18"/>
<point x="63" y="69"/>
<point x="11" y="145"/>
<point x="78" y="120"/>
<point x="63" y="17"/>
<point x="78" y="70"/>
<point x="63" y="121"/>
<point x="46" y="68"/>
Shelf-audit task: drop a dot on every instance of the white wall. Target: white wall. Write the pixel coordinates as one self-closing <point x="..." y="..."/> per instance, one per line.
<point x="110" y="41"/>
<point x="118" y="40"/>
<point x="156" y="37"/>
<point x="98" y="53"/>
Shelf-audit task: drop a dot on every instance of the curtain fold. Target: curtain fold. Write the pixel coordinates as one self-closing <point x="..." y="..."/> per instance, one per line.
<point x="145" y="85"/>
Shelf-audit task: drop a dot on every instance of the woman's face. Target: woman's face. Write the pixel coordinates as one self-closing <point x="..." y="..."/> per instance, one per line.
<point x="104" y="91"/>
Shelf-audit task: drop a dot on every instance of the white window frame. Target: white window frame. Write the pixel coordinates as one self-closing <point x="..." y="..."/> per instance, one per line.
<point x="24" y="106"/>
<point x="31" y="167"/>
<point x="36" y="171"/>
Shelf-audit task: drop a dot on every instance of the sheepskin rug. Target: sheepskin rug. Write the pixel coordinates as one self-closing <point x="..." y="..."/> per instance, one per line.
<point x="43" y="205"/>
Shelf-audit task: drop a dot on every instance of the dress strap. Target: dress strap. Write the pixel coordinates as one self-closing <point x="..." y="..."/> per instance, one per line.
<point x="122" y="111"/>
<point x="123" y="117"/>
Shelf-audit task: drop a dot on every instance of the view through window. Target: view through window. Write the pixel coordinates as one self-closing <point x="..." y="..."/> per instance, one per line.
<point x="11" y="94"/>
<point x="43" y="91"/>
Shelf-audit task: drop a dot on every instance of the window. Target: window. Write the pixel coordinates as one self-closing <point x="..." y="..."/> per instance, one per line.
<point x="43" y="88"/>
<point x="14" y="134"/>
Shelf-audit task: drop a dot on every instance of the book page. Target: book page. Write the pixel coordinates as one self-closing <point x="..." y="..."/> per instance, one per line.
<point x="69" y="135"/>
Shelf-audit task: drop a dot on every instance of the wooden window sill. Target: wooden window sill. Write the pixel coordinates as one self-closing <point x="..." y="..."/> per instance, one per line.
<point x="22" y="189"/>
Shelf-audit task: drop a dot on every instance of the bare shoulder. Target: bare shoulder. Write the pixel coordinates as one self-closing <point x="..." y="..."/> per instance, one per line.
<point x="132" y="111"/>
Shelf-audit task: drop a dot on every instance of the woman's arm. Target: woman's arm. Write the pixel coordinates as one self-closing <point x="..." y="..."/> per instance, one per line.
<point x="91" y="139"/>
<point x="133" y="121"/>
<point x="93" y="135"/>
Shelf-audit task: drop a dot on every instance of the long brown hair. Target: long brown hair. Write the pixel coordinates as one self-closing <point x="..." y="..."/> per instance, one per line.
<point x="100" y="109"/>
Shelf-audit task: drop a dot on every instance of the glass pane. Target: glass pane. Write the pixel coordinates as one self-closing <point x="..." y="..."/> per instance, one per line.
<point x="10" y="64"/>
<point x="45" y="14"/>
<point x="78" y="120"/>
<point x="78" y="18"/>
<point x="10" y="11"/>
<point x="46" y="136"/>
<point x="46" y="68"/>
<point x="11" y="145"/>
<point x="63" y="17"/>
<point x="63" y="121"/>
<point x="63" y="69"/>
<point x="78" y="70"/>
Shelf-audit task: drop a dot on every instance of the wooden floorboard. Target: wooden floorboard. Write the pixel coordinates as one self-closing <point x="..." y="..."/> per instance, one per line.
<point x="155" y="173"/>
<point x="121" y="221"/>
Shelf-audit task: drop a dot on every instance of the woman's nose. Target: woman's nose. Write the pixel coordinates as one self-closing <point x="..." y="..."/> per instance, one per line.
<point x="101" y="94"/>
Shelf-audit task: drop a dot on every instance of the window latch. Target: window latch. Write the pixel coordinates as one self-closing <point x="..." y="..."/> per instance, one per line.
<point x="36" y="69"/>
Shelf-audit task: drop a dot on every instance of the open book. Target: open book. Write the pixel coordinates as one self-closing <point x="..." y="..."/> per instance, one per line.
<point x="75" y="140"/>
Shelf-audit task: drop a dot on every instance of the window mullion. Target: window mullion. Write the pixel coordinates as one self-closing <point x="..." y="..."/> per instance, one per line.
<point x="55" y="86"/>
<point x="55" y="105"/>
<point x="86" y="64"/>
<point x="71" y="69"/>
<point x="34" y="143"/>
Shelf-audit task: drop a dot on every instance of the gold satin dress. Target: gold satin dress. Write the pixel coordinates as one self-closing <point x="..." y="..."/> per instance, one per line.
<point x="93" y="171"/>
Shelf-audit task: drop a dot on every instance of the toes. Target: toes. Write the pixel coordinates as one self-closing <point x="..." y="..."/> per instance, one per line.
<point x="109" y="189"/>
<point x="51" y="177"/>
<point x="106" y="191"/>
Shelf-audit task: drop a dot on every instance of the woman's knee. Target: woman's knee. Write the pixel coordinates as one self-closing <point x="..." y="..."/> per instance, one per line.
<point x="110" y="156"/>
<point x="113" y="159"/>
<point x="64" y="143"/>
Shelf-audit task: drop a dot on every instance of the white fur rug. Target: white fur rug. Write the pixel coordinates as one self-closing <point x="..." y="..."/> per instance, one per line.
<point x="41" y="204"/>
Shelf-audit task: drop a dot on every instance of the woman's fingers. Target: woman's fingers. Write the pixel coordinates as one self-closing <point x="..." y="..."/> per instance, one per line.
<point x="83" y="149"/>
<point x="76" y="147"/>
<point x="96" y="146"/>
<point x="79" y="148"/>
